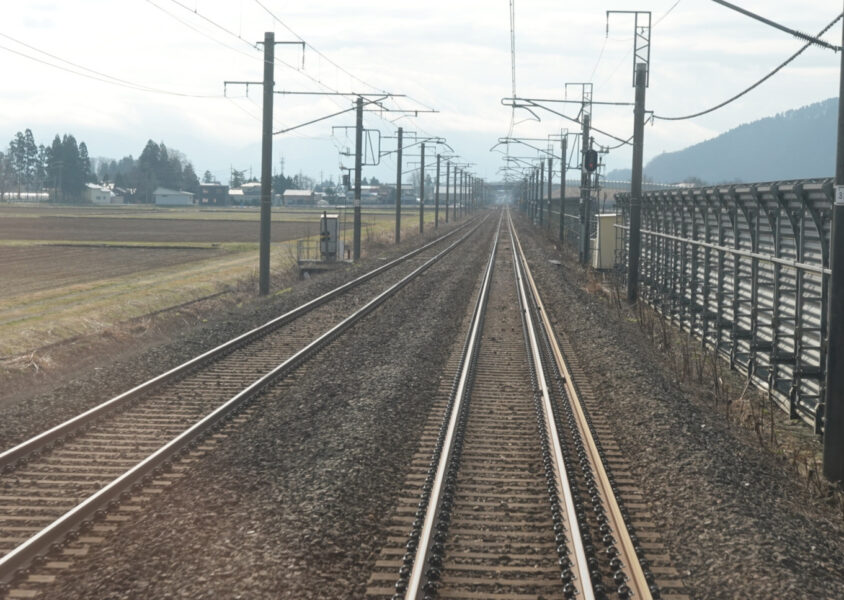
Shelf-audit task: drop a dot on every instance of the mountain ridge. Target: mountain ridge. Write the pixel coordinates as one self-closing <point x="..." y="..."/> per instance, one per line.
<point x="795" y="144"/>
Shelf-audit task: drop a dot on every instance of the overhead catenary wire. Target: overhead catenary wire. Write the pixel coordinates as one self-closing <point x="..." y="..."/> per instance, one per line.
<point x="315" y="80"/>
<point x="205" y="34"/>
<point x="755" y="85"/>
<point x="277" y="60"/>
<point x="794" y="32"/>
<point x="322" y="55"/>
<point x="82" y="71"/>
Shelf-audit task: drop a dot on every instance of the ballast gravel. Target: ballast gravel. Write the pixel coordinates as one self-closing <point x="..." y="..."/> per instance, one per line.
<point x="737" y="521"/>
<point x="293" y="503"/>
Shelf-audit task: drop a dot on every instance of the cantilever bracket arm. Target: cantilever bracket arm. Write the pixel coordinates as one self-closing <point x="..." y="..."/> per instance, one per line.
<point x="312" y="121"/>
<point x="536" y="104"/>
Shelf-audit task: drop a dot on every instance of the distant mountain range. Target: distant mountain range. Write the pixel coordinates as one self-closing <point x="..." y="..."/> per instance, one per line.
<point x="796" y="144"/>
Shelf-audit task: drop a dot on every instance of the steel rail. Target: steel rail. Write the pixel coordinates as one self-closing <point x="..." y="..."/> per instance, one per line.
<point x="11" y="456"/>
<point x="415" y="585"/>
<point x="637" y="580"/>
<point x="583" y="583"/>
<point x="23" y="555"/>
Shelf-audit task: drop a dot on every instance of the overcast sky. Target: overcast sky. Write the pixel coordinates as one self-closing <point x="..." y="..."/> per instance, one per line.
<point x="453" y="56"/>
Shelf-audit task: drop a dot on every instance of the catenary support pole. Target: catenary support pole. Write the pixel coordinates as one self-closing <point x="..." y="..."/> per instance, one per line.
<point x="266" y="166"/>
<point x="398" y="187"/>
<point x="585" y="194"/>
<point x="458" y="193"/>
<point x="563" y="161"/>
<point x="437" y="196"/>
<point x="422" y="192"/>
<point x="358" y="163"/>
<point x="455" y="208"/>
<point x="541" y="197"/>
<point x="635" y="233"/>
<point x="447" y="184"/>
<point x="550" y="185"/>
<point x="833" y="438"/>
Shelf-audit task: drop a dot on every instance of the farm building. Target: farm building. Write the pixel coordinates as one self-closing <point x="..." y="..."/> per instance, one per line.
<point x="291" y="197"/>
<point x="213" y="194"/>
<point x="97" y="194"/>
<point x="369" y="194"/>
<point x="251" y="192"/>
<point x="164" y="197"/>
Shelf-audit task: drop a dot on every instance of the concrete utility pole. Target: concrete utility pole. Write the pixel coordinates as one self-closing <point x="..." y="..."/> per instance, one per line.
<point x="437" y="197"/>
<point x="550" y="181"/>
<point x="266" y="166"/>
<point x="563" y="161"/>
<point x="422" y="192"/>
<point x="833" y="438"/>
<point x="398" y="188"/>
<point x="456" y="196"/>
<point x="635" y="233"/>
<point x="585" y="194"/>
<point x="541" y="196"/>
<point x="447" y="183"/>
<point x="531" y="195"/>
<point x="358" y="162"/>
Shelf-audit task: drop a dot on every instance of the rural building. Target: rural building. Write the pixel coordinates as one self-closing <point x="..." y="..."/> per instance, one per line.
<point x="164" y="197"/>
<point x="251" y="192"/>
<point x="369" y="194"/>
<point x="96" y="194"/>
<point x="236" y="196"/>
<point x="291" y="197"/>
<point x="213" y="194"/>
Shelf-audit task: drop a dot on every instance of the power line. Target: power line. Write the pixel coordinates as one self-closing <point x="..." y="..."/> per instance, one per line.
<point x="203" y="33"/>
<point x="666" y="13"/>
<point x="755" y="85"/>
<point x="794" y="32"/>
<point x="323" y="55"/>
<point x="83" y="71"/>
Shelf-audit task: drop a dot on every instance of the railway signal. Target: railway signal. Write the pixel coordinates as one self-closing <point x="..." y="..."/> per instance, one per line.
<point x="591" y="160"/>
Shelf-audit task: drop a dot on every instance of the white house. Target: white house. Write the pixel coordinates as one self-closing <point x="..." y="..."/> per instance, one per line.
<point x="298" y="197"/>
<point x="97" y="194"/>
<point x="164" y="197"/>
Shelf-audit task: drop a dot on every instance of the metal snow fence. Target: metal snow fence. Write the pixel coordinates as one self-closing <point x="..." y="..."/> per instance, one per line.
<point x="745" y="268"/>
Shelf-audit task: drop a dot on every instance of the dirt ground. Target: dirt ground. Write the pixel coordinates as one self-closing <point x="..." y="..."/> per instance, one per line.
<point x="154" y="230"/>
<point x="27" y="269"/>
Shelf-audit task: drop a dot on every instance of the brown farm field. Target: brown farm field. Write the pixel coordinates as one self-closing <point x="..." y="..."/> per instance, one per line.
<point x="34" y="268"/>
<point x="71" y="273"/>
<point x="155" y="229"/>
<point x="67" y="272"/>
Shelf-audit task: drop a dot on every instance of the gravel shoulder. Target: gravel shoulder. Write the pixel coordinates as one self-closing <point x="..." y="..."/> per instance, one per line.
<point x="739" y="520"/>
<point x="294" y="504"/>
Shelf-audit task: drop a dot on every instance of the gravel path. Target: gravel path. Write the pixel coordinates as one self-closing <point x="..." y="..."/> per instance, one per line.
<point x="293" y="504"/>
<point x="739" y="523"/>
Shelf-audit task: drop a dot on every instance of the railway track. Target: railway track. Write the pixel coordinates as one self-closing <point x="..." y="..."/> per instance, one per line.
<point x="510" y="495"/>
<point x="55" y="486"/>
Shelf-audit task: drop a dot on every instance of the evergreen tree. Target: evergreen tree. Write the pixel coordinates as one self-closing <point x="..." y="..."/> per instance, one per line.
<point x="85" y="163"/>
<point x="190" y="182"/>
<point x="148" y="172"/>
<point x="72" y="175"/>
<point x="53" y="168"/>
<point x="236" y="179"/>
